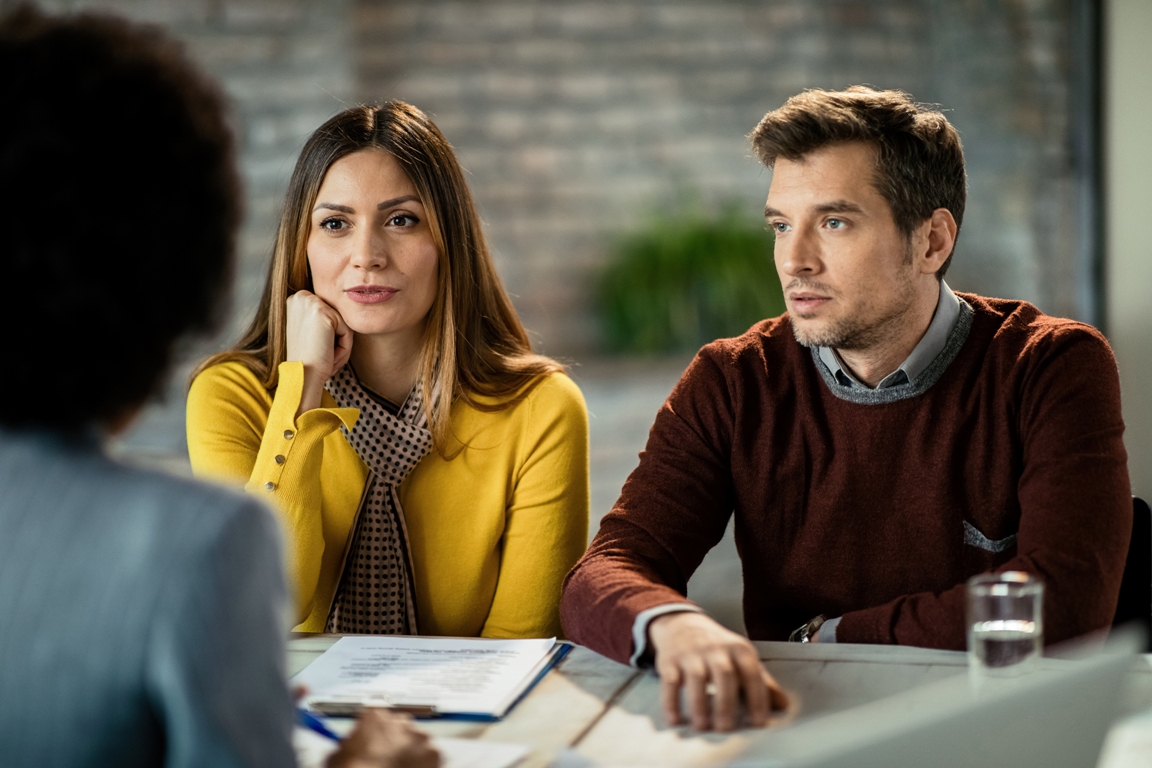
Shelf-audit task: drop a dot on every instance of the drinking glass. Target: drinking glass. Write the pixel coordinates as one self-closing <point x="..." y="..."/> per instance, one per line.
<point x="1005" y="629"/>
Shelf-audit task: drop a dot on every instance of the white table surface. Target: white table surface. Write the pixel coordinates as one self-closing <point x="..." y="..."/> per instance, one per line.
<point x="590" y="710"/>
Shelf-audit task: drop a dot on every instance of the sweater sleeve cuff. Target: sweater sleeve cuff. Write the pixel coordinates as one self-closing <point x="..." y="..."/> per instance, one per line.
<point x="289" y="439"/>
<point x="641" y="657"/>
<point x="861" y="627"/>
<point x="289" y="392"/>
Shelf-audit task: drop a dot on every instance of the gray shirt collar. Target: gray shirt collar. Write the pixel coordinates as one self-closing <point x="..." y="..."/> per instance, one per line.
<point x="930" y="345"/>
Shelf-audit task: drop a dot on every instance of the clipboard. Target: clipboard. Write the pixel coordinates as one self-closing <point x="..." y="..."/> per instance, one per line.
<point x="349" y="705"/>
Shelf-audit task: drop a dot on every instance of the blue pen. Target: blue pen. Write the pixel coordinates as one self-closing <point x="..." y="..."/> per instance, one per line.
<point x="313" y="723"/>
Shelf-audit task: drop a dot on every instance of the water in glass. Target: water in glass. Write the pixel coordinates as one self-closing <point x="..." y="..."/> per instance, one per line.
<point x="1005" y="643"/>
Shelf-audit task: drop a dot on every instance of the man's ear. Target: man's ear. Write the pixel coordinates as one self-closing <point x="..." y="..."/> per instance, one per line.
<point x="941" y="238"/>
<point x="933" y="240"/>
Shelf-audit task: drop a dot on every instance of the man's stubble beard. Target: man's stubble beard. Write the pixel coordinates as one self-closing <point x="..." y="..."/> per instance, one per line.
<point x="852" y="333"/>
<point x="855" y="333"/>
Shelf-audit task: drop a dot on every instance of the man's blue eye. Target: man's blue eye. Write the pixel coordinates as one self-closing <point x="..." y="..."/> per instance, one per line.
<point x="835" y="224"/>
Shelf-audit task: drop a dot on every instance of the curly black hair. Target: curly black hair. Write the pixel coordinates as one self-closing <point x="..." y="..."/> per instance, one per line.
<point x="117" y="170"/>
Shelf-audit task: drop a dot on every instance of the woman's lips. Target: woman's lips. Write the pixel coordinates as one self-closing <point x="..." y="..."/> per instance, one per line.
<point x="371" y="294"/>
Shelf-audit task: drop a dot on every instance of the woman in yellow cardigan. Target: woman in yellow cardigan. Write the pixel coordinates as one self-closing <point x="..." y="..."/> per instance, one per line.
<point x="431" y="472"/>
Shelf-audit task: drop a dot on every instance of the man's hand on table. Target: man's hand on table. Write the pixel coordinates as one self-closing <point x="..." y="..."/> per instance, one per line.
<point x="384" y="740"/>
<point x="693" y="652"/>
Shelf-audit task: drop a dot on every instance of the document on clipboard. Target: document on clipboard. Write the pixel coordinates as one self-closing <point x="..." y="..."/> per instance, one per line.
<point x="468" y="678"/>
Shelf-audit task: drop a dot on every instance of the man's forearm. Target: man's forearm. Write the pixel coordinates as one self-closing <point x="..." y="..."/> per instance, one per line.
<point x="604" y="595"/>
<point x="673" y="508"/>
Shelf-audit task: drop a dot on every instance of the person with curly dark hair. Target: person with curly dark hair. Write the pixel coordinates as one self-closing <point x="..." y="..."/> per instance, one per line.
<point x="141" y="615"/>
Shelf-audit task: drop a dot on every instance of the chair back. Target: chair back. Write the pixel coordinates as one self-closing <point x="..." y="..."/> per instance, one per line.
<point x="1135" y="603"/>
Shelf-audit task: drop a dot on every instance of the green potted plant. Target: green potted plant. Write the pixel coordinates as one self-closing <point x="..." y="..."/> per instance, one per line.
<point x="684" y="280"/>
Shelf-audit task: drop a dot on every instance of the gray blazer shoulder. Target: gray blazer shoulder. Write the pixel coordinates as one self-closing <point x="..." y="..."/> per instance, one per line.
<point x="142" y="615"/>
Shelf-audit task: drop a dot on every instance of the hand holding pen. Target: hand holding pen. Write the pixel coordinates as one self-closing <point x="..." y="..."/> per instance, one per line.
<point x="380" y="739"/>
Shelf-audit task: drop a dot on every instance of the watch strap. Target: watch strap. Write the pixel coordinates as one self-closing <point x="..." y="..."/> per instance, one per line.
<point x="804" y="633"/>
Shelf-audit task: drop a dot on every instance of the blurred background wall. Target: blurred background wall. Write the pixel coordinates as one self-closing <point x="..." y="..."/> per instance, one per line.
<point x="578" y="120"/>
<point x="1128" y="173"/>
<point x="576" y="117"/>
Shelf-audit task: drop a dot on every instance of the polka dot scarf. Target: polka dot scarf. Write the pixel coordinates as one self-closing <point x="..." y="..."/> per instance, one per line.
<point x="376" y="593"/>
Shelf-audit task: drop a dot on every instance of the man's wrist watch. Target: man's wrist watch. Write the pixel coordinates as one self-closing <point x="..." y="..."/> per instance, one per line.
<point x="804" y="633"/>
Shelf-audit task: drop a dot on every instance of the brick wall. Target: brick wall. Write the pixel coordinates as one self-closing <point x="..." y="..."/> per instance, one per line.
<point x="577" y="119"/>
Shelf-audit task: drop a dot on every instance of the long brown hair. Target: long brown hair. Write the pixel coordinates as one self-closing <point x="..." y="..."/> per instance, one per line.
<point x="474" y="343"/>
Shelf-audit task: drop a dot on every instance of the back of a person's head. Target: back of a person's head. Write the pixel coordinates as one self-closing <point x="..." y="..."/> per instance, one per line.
<point x="116" y="170"/>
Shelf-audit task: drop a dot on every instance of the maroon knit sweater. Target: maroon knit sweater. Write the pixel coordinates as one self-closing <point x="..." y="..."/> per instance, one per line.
<point x="869" y="511"/>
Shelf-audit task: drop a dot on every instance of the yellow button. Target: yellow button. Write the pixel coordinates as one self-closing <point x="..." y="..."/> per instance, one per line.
<point x="289" y="434"/>
<point x="269" y="486"/>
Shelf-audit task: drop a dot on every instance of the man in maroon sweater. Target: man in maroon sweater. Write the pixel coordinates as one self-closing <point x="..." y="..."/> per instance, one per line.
<point x="878" y="444"/>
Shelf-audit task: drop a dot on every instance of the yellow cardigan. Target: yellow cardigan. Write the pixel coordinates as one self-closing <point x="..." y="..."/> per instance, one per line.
<point x="493" y="531"/>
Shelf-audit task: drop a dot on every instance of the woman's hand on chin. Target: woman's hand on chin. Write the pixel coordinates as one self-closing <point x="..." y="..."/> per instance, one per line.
<point x="318" y="337"/>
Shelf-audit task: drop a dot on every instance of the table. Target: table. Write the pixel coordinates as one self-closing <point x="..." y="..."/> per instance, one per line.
<point x="589" y="708"/>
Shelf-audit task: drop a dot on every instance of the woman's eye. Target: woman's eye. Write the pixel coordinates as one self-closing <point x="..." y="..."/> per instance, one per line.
<point x="332" y="225"/>
<point x="403" y="220"/>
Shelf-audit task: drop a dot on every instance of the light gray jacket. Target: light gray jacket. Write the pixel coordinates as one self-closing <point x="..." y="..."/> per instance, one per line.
<point x="141" y="616"/>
